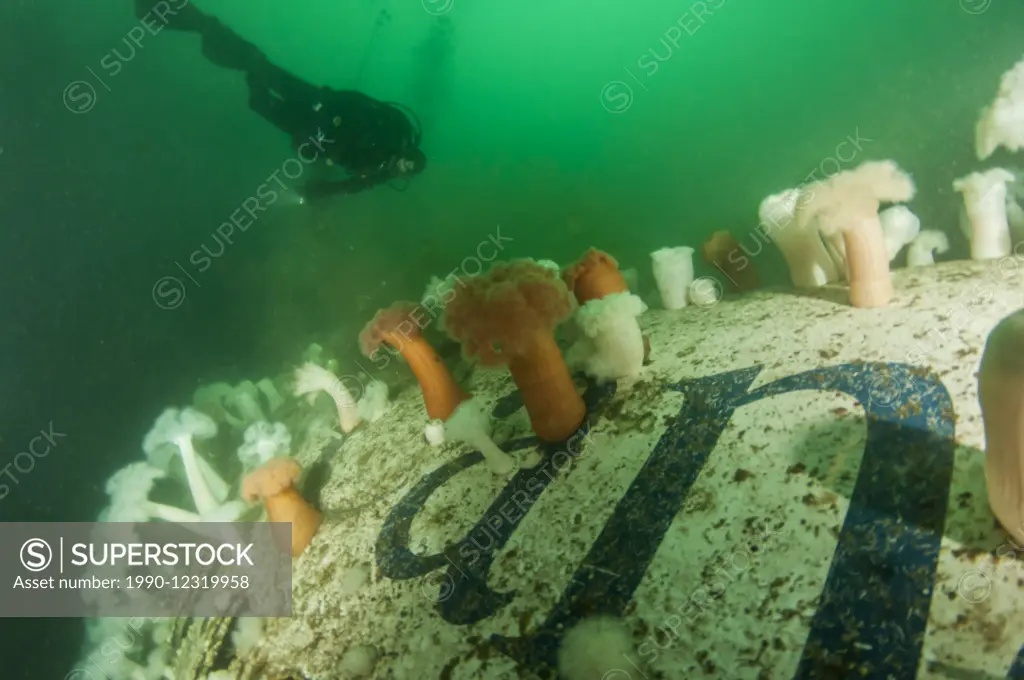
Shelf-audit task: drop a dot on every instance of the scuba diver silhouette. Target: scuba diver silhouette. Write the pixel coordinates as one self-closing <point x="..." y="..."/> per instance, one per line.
<point x="372" y="141"/>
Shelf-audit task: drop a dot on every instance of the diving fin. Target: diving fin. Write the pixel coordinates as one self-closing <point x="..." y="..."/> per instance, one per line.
<point x="176" y="15"/>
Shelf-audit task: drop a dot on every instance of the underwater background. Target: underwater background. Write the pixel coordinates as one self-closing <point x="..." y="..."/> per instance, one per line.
<point x="568" y="124"/>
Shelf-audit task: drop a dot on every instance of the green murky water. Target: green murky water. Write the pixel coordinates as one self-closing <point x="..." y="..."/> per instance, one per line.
<point x="627" y="126"/>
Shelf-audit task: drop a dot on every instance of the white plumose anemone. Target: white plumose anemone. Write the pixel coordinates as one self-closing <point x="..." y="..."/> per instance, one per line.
<point x="988" y="226"/>
<point x="613" y="345"/>
<point x="810" y="265"/>
<point x="673" y="272"/>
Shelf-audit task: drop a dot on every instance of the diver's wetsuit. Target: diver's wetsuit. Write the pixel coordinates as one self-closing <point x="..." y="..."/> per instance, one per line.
<point x="363" y="136"/>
